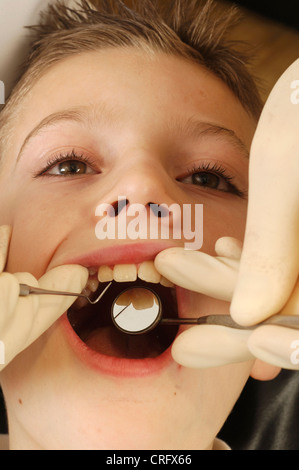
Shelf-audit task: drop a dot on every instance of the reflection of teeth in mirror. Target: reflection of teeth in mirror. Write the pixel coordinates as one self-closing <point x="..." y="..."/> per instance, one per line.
<point x="124" y="299"/>
<point x="138" y="297"/>
<point x="142" y="298"/>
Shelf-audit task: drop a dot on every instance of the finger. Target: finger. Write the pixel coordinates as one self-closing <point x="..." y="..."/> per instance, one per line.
<point x="276" y="345"/>
<point x="5" y="233"/>
<point x="9" y="295"/>
<point x="229" y="247"/>
<point x="211" y="346"/>
<point x="199" y="272"/>
<point x="70" y="278"/>
<point x="28" y="317"/>
<point x="14" y="322"/>
<point x="23" y="316"/>
<point x="270" y="258"/>
<point x="292" y="305"/>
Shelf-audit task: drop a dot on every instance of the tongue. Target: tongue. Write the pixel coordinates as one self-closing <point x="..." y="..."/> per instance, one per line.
<point x="107" y="340"/>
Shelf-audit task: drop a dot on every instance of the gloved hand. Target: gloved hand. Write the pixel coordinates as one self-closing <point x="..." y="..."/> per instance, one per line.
<point x="267" y="279"/>
<point x="270" y="258"/>
<point x="212" y="345"/>
<point x="206" y="345"/>
<point x="24" y="319"/>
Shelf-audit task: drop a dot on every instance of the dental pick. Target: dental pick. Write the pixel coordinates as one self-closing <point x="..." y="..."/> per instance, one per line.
<point x="27" y="290"/>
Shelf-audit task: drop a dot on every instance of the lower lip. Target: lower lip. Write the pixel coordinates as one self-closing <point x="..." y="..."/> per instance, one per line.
<point x="114" y="366"/>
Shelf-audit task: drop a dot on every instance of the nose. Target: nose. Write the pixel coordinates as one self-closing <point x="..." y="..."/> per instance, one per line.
<point x="158" y="210"/>
<point x="143" y="182"/>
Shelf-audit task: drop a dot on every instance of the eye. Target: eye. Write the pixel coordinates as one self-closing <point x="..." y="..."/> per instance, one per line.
<point x="213" y="177"/>
<point x="206" y="179"/>
<point x="69" y="168"/>
<point x="68" y="165"/>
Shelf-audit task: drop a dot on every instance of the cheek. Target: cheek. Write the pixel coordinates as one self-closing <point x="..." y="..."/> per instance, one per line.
<point x="223" y="220"/>
<point x="39" y="226"/>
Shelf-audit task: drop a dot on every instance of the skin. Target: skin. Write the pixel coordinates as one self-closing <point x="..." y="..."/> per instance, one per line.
<point x="137" y="150"/>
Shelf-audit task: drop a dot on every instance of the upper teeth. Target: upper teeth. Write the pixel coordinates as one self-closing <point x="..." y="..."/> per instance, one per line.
<point x="129" y="273"/>
<point x="145" y="271"/>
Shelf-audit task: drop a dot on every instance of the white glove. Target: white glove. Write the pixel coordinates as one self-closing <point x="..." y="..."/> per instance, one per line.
<point x="206" y="345"/>
<point x="270" y="258"/>
<point x="212" y="345"/>
<point x="269" y="266"/>
<point x="24" y="319"/>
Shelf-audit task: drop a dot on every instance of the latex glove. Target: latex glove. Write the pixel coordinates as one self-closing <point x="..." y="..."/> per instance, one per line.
<point x="24" y="319"/>
<point x="206" y="345"/>
<point x="270" y="258"/>
<point x="212" y="345"/>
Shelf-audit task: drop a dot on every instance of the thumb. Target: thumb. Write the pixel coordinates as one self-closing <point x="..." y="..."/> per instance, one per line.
<point x="69" y="278"/>
<point x="199" y="272"/>
<point x="211" y="346"/>
<point x="5" y="232"/>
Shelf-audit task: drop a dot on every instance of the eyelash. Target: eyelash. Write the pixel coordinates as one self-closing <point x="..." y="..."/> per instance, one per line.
<point x="218" y="170"/>
<point x="61" y="158"/>
<point x="215" y="169"/>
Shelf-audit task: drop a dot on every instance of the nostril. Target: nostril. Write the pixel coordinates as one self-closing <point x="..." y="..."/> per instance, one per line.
<point x="159" y="210"/>
<point x="117" y="207"/>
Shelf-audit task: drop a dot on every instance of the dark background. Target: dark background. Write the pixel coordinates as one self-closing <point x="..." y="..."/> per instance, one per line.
<point x="285" y="11"/>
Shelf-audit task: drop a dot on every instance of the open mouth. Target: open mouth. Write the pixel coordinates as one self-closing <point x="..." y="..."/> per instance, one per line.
<point x="93" y="323"/>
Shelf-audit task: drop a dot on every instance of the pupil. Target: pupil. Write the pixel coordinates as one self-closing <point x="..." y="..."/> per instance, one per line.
<point x="205" y="179"/>
<point x="71" y="167"/>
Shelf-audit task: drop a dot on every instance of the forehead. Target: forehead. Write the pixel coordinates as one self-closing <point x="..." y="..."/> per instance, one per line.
<point x="128" y="86"/>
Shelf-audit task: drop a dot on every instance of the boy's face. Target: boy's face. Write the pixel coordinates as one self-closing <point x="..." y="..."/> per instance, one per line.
<point x="142" y="126"/>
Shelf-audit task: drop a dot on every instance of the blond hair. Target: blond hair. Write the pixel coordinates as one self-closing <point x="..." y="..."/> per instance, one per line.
<point x="189" y="29"/>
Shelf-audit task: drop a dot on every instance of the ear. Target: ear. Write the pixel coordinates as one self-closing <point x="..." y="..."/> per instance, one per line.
<point x="263" y="371"/>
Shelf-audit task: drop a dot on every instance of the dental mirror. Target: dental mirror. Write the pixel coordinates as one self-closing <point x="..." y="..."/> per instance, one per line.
<point x="136" y="310"/>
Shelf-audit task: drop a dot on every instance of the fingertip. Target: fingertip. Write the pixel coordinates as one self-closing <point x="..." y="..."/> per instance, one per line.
<point x="5" y="234"/>
<point x="208" y="346"/>
<point x="257" y="296"/>
<point x="65" y="277"/>
<point x="229" y="247"/>
<point x="276" y="345"/>
<point x="167" y="255"/>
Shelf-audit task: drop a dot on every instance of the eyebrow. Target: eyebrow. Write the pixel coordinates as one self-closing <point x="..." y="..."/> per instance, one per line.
<point x="195" y="128"/>
<point x="86" y="115"/>
<point x="192" y="127"/>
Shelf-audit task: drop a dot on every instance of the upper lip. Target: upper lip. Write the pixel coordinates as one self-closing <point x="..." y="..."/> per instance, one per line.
<point x="121" y="254"/>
